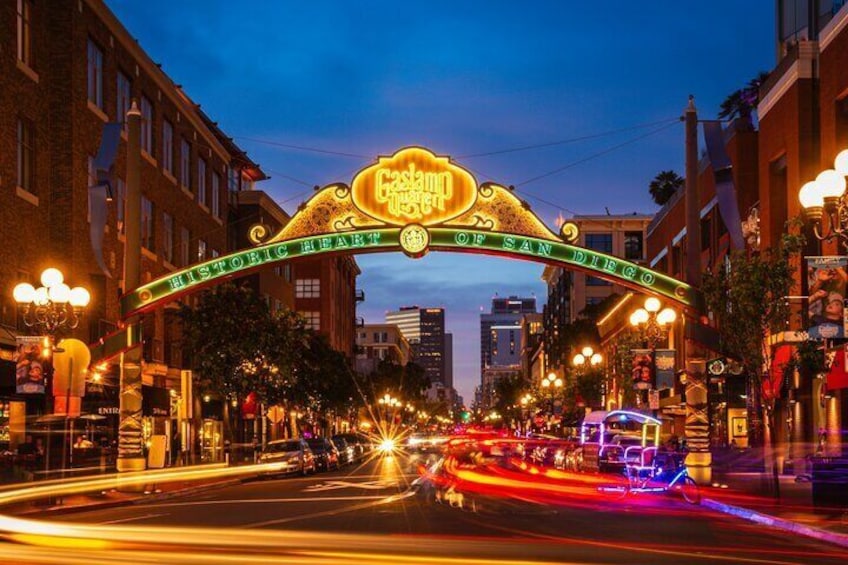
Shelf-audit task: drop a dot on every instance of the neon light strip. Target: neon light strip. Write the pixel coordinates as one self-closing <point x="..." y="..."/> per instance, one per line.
<point x="617" y="270"/>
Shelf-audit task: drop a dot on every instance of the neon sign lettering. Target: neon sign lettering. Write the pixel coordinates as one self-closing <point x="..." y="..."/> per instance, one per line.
<point x="412" y="193"/>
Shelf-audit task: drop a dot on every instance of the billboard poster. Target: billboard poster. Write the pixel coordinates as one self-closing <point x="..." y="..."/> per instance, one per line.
<point x="664" y="368"/>
<point x="826" y="280"/>
<point x="31" y="367"/>
<point x="643" y="369"/>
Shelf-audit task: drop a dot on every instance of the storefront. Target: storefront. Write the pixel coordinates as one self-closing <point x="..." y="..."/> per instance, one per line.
<point x="156" y="424"/>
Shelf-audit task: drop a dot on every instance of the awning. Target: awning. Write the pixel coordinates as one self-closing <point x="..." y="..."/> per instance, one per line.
<point x="771" y="385"/>
<point x="837" y="376"/>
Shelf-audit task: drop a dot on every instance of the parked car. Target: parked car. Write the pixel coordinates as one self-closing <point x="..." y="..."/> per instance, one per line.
<point x="347" y="452"/>
<point x="361" y="445"/>
<point x="326" y="454"/>
<point x="295" y="456"/>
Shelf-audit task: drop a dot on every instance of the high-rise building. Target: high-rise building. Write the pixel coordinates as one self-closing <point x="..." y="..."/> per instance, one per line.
<point x="500" y="341"/>
<point x="449" y="360"/>
<point x="425" y="330"/>
<point x="504" y="316"/>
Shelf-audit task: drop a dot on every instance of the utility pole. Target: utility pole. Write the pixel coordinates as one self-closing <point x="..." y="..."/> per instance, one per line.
<point x="699" y="458"/>
<point x="130" y="440"/>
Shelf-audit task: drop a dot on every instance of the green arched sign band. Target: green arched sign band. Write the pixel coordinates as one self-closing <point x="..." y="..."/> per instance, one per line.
<point x="614" y="269"/>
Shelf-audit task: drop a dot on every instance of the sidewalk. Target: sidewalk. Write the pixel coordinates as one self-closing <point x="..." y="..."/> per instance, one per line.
<point x="746" y="497"/>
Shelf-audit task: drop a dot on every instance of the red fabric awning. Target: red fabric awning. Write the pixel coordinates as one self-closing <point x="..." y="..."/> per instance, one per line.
<point x="837" y="377"/>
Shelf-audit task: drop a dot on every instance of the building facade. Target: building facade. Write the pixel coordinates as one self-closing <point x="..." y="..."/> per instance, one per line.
<point x="380" y="342"/>
<point x="425" y="330"/>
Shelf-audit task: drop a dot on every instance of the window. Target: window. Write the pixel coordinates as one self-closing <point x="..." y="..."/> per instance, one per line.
<point x="168" y="236"/>
<point x="633" y="245"/>
<point x="287" y="273"/>
<point x="147" y="223"/>
<point x="201" y="250"/>
<point x="595" y="281"/>
<point x="26" y="154"/>
<point x="313" y="320"/>
<point x="120" y="203"/>
<point x="146" y="125"/>
<point x="599" y="242"/>
<point x="95" y="74"/>
<point x="385" y="337"/>
<point x="233" y="178"/>
<point x="216" y="195"/>
<point x="307" y="288"/>
<point x="123" y="98"/>
<point x="706" y="232"/>
<point x="376" y="337"/>
<point x="185" y="164"/>
<point x="201" y="182"/>
<point x="25" y="32"/>
<point x="168" y="146"/>
<point x="215" y="253"/>
<point x="185" y="256"/>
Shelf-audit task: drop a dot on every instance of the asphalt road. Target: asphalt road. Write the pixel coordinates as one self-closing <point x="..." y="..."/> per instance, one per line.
<point x="374" y="498"/>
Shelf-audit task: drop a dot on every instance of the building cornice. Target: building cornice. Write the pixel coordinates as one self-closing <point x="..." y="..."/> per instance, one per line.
<point x="801" y="68"/>
<point x="166" y="85"/>
<point x="833" y="28"/>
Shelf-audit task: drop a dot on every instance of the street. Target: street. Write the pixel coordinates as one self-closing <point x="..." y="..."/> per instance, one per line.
<point x="375" y="500"/>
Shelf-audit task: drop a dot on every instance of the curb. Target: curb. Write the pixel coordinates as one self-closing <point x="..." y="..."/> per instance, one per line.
<point x="144" y="499"/>
<point x="776" y="523"/>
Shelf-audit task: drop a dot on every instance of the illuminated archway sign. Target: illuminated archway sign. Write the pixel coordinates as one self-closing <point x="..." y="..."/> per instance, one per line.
<point x="415" y="202"/>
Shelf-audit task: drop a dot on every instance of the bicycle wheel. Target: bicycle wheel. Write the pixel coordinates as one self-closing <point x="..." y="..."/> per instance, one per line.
<point x="690" y="491"/>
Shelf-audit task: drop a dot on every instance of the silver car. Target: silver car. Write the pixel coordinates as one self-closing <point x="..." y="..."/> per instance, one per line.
<point x="293" y="455"/>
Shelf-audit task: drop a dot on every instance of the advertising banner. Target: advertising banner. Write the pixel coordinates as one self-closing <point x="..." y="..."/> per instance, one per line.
<point x="664" y="368"/>
<point x="643" y="369"/>
<point x="31" y="366"/>
<point x="826" y="279"/>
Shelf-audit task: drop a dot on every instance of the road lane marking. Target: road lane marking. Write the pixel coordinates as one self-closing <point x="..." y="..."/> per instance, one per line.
<point x="382" y="500"/>
<point x="131" y="519"/>
<point x="335" y="485"/>
<point x="265" y="501"/>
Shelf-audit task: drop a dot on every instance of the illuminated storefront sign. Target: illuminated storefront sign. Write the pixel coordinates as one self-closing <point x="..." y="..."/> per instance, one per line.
<point x="414" y="201"/>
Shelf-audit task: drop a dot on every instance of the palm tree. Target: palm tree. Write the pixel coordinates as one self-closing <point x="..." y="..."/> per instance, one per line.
<point x="742" y="102"/>
<point x="664" y="185"/>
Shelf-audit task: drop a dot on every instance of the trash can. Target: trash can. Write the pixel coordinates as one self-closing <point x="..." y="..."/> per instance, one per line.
<point x="830" y="481"/>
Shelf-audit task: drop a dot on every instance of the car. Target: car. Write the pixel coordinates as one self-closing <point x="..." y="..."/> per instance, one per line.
<point x="294" y="455"/>
<point x="326" y="454"/>
<point x="347" y="452"/>
<point x="361" y="445"/>
<point x="425" y="443"/>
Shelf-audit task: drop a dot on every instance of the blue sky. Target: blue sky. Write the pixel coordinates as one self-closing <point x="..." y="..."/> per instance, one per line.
<point x="463" y="78"/>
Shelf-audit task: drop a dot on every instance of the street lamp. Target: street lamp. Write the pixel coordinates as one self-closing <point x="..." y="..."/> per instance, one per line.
<point x="587" y="356"/>
<point x="826" y="195"/>
<point x="53" y="305"/>
<point x="654" y="320"/>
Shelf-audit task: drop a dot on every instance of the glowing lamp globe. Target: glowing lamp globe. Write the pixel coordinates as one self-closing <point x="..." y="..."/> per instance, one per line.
<point x="811" y="196"/>
<point x="587" y="351"/>
<point x="59" y="293"/>
<point x="653" y="304"/>
<point x="831" y="184"/>
<point x="579" y="359"/>
<point x="40" y="297"/>
<point x="667" y="316"/>
<point x="79" y="297"/>
<point x="24" y="293"/>
<point x="841" y="163"/>
<point x="596" y="359"/>
<point x="638" y="317"/>
<point x="558" y="383"/>
<point x="51" y="277"/>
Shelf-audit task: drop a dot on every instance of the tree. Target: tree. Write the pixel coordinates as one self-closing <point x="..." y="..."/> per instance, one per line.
<point x="664" y="185"/>
<point x="747" y="301"/>
<point x="407" y="381"/>
<point x="237" y="346"/>
<point x="508" y="392"/>
<point x="740" y="103"/>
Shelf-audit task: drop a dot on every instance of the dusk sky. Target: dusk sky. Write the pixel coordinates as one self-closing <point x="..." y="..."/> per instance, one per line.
<point x="359" y="79"/>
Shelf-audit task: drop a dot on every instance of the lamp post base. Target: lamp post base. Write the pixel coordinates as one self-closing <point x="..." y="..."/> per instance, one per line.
<point x="127" y="464"/>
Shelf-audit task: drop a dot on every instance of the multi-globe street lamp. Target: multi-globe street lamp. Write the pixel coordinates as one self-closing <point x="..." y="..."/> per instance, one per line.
<point x="653" y="320"/>
<point x="52" y="306"/>
<point x="826" y="195"/>
<point x="389" y="403"/>
<point x="586" y="359"/>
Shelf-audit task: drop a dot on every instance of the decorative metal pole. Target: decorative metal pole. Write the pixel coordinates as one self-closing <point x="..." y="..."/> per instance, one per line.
<point x="130" y="441"/>
<point x="699" y="459"/>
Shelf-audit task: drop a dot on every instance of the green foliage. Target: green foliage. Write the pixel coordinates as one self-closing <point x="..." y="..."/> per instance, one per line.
<point x="508" y="393"/>
<point x="325" y="379"/>
<point x="408" y="382"/>
<point x="742" y="102"/>
<point x="664" y="185"/>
